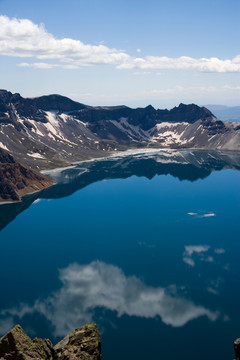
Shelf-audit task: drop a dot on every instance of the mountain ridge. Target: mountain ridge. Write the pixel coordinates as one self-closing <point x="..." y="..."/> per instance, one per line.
<point x="52" y="130"/>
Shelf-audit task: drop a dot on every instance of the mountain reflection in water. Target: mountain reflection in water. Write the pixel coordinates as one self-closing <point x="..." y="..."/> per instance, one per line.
<point x="155" y="263"/>
<point x="188" y="165"/>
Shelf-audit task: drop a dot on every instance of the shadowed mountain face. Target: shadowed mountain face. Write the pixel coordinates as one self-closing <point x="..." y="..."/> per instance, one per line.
<point x="52" y="131"/>
<point x="17" y="180"/>
<point x="184" y="165"/>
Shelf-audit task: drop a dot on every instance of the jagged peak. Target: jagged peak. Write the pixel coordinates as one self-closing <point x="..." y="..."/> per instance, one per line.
<point x="150" y="107"/>
<point x="5" y="95"/>
<point x="192" y="111"/>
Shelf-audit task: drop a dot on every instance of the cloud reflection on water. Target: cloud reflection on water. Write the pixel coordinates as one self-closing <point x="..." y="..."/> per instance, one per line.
<point x="100" y="285"/>
<point x="199" y="252"/>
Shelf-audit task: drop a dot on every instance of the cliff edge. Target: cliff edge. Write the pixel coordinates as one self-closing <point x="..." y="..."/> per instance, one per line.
<point x="17" y="180"/>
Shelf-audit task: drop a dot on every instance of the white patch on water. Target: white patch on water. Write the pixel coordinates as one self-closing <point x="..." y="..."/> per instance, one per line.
<point x="219" y="251"/>
<point x="208" y="215"/>
<point x="36" y="201"/>
<point x="201" y="215"/>
<point x="190" y="250"/>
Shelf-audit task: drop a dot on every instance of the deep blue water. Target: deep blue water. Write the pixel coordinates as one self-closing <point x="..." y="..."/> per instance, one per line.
<point x="154" y="262"/>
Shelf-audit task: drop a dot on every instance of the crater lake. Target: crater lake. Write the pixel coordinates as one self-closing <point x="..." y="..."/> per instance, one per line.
<point x="144" y="244"/>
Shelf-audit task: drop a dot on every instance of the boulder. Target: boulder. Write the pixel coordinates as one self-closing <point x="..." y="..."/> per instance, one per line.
<point x="16" y="345"/>
<point x="83" y="343"/>
<point x="237" y="349"/>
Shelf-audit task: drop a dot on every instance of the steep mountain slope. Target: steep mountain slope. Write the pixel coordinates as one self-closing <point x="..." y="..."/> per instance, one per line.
<point x="17" y="180"/>
<point x="53" y="130"/>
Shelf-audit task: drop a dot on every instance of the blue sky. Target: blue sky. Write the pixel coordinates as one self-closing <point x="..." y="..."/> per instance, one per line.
<point x="103" y="52"/>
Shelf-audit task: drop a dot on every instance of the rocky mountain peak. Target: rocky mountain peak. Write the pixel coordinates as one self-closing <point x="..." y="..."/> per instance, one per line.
<point x="56" y="102"/>
<point x="185" y="113"/>
<point x="150" y="108"/>
<point x="5" y="96"/>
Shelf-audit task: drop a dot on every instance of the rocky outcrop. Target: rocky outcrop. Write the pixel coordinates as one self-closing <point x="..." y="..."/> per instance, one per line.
<point x="237" y="349"/>
<point x="83" y="343"/>
<point x="17" y="345"/>
<point x="17" y="180"/>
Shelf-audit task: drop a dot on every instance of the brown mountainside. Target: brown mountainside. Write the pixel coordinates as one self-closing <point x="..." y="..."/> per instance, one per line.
<point x="17" y="180"/>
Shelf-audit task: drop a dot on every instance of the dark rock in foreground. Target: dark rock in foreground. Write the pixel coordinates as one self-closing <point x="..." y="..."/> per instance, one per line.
<point x="17" y="345"/>
<point x="83" y="343"/>
<point x="237" y="349"/>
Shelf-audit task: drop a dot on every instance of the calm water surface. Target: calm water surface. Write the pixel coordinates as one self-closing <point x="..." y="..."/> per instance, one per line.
<point x="146" y="246"/>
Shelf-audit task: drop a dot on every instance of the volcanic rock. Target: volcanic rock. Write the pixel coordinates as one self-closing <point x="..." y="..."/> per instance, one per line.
<point x="17" y="180"/>
<point x="83" y="343"/>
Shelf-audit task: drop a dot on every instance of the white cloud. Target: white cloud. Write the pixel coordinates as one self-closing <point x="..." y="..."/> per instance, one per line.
<point x="193" y="91"/>
<point x="99" y="285"/>
<point x="234" y="88"/>
<point x="165" y="97"/>
<point x="22" y="38"/>
<point x="38" y="65"/>
<point x="185" y="63"/>
<point x="142" y="73"/>
<point x="42" y="65"/>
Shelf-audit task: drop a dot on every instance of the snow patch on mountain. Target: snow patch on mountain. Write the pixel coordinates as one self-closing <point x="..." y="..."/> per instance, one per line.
<point x="3" y="146"/>
<point x="36" y="155"/>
